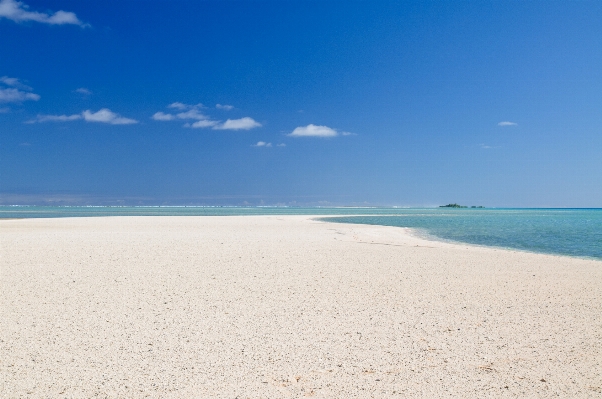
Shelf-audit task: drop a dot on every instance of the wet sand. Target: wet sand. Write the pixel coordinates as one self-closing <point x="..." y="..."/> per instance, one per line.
<point x="285" y="306"/>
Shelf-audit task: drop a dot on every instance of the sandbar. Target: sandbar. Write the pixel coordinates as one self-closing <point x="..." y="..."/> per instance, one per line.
<point x="287" y="307"/>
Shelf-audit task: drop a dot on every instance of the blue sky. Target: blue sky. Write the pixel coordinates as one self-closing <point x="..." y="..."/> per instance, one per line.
<point x="301" y="103"/>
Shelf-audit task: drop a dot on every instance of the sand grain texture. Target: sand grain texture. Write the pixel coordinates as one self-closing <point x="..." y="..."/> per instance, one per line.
<point x="284" y="306"/>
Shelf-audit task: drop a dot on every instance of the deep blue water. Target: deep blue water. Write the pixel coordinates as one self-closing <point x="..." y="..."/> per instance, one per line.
<point x="573" y="232"/>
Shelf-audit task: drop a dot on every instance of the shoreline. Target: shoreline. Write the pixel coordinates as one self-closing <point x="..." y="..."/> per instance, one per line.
<point x="426" y="235"/>
<point x="287" y="306"/>
<point x="431" y="237"/>
<point x="411" y="230"/>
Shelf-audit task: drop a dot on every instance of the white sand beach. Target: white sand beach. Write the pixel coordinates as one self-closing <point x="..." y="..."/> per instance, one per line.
<point x="286" y="307"/>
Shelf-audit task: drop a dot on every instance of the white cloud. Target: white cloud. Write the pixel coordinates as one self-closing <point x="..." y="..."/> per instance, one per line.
<point x="192" y="114"/>
<point x="19" y="12"/>
<point x="160" y="116"/>
<point x="56" y="118"/>
<point x="188" y="112"/>
<point x="281" y="145"/>
<point x="9" y="81"/>
<point x="105" y="115"/>
<point x="84" y="91"/>
<point x="487" y="147"/>
<point x="313" y="131"/>
<point x="16" y="96"/>
<point x="506" y="123"/>
<point x="224" y="107"/>
<point x="245" y="123"/>
<point x="14" y="82"/>
<point x="177" y="105"/>
<point x="262" y="144"/>
<point x="203" y="123"/>
<point x="182" y="106"/>
<point x="17" y="92"/>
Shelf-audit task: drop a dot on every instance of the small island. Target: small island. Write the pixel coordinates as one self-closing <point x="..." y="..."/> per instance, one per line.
<point x="459" y="206"/>
<point x="452" y="206"/>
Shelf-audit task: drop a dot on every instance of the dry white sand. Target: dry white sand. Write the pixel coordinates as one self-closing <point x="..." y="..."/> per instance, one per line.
<point x="283" y="306"/>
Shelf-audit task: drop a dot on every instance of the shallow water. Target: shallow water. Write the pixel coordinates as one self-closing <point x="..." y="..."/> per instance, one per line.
<point x="573" y="232"/>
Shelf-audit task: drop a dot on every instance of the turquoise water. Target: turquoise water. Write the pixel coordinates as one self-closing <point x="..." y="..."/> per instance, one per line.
<point x="573" y="232"/>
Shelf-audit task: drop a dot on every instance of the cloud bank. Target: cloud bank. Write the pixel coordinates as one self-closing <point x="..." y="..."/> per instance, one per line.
<point x="506" y="123"/>
<point x="19" y="12"/>
<point x="313" y="131"/>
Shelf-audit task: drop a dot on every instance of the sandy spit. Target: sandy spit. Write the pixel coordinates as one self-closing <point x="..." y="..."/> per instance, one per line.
<point x="287" y="307"/>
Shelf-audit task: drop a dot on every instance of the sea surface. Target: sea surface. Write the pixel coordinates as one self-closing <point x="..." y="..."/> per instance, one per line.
<point x="572" y="232"/>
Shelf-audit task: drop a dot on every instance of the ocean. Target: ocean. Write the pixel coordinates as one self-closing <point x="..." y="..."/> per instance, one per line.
<point x="571" y="232"/>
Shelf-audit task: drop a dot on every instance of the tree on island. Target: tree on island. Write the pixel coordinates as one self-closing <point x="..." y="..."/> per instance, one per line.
<point x="454" y="205"/>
